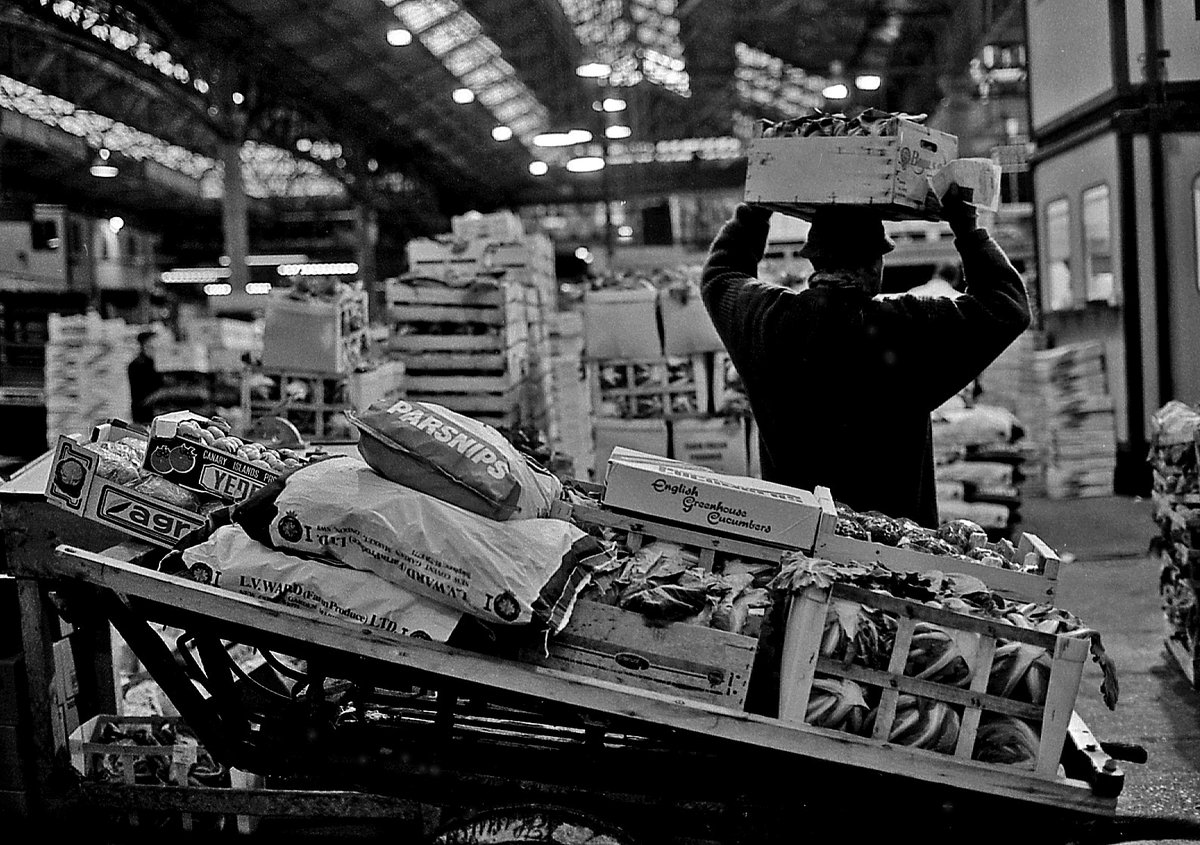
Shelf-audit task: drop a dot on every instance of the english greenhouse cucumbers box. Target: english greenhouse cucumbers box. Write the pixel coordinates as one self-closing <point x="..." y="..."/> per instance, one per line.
<point x="658" y="487"/>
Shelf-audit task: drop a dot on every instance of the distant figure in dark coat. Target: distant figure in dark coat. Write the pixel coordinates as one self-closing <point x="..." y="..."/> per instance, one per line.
<point x="842" y="382"/>
<point x="144" y="380"/>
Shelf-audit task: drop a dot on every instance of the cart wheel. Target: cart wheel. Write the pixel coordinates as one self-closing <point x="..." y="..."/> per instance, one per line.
<point x="532" y="824"/>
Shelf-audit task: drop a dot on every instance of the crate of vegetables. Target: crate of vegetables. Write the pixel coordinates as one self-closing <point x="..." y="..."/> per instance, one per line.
<point x="1027" y="570"/>
<point x="201" y="454"/>
<point x="103" y="480"/>
<point x="933" y="663"/>
<point x="877" y="159"/>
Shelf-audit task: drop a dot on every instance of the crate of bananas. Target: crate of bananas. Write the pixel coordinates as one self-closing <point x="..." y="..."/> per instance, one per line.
<point x="932" y="661"/>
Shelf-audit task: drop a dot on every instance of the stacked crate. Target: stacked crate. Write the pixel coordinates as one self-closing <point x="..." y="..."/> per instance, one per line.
<point x="1074" y="421"/>
<point x="484" y="250"/>
<point x="1173" y="459"/>
<point x="87" y="378"/>
<point x="653" y="391"/>
<point x="465" y="348"/>
<point x="978" y="463"/>
<point x="571" y="402"/>
<point x="316" y="403"/>
<point x="316" y="365"/>
<point x="1009" y="382"/>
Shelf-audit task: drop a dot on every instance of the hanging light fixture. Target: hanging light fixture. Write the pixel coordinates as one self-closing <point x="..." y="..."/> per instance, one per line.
<point x="102" y="167"/>
<point x="502" y="133"/>
<point x="593" y="70"/>
<point x="562" y="139"/>
<point x="868" y="81"/>
<point x="539" y="168"/>
<point x="616" y="132"/>
<point x="462" y="96"/>
<point x="836" y="91"/>
<point x="585" y="164"/>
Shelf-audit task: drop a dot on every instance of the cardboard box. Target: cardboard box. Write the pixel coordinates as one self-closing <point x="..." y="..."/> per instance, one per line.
<point x="718" y="443"/>
<point x="497" y="225"/>
<point x="892" y="174"/>
<point x="767" y="513"/>
<point x="174" y="357"/>
<point x="621" y="324"/>
<point x="75" y="486"/>
<point x="198" y="467"/>
<point x="315" y="336"/>
<point x="650" y="436"/>
<point x="623" y="647"/>
<point x="687" y="327"/>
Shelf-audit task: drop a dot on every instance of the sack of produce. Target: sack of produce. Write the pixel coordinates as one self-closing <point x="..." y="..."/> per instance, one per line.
<point x="453" y="458"/>
<point x="231" y="559"/>
<point x="513" y="573"/>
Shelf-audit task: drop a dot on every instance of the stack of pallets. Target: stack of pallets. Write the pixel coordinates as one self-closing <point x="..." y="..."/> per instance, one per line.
<point x="86" y="372"/>
<point x="465" y="348"/>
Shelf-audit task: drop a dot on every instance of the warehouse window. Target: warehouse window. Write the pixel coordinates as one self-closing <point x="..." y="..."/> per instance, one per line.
<point x="1097" y="245"/>
<point x="1058" y="255"/>
<point x="1196" y="222"/>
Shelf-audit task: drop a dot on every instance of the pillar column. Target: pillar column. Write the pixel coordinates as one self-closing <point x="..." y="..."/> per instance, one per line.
<point x="366" y="239"/>
<point x="235" y="218"/>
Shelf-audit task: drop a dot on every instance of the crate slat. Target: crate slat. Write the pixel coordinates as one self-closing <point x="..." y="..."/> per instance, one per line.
<point x="492" y="342"/>
<point x="1065" y="672"/>
<point x="931" y="689"/>
<point x="800" y="654"/>
<point x="885" y="717"/>
<point x="469" y="404"/>
<point x="462" y="384"/>
<point x="970" y="719"/>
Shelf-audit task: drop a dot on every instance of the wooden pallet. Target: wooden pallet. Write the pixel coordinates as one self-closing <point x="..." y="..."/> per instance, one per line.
<point x="802" y="662"/>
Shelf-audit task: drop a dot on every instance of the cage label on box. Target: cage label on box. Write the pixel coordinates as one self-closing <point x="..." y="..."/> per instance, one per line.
<point x="142" y="516"/>
<point x="204" y="469"/>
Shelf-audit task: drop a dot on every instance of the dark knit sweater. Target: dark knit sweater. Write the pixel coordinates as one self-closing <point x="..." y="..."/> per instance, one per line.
<point x="842" y="385"/>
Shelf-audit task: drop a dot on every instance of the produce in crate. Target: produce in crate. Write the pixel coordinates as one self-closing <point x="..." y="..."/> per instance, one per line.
<point x="218" y="435"/>
<point x="870" y="122"/>
<point x="960" y="538"/>
<point x="148" y="767"/>
<point x="837" y="704"/>
<point x="856" y="635"/>
<point x="121" y="462"/>
<point x="1006" y="739"/>
<point x="665" y="583"/>
<point x="920" y="723"/>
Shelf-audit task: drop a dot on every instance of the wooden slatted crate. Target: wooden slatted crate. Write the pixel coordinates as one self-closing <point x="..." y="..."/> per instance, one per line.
<point x="1038" y="585"/>
<point x="661" y="388"/>
<point x="320" y="412"/>
<point x="803" y="662"/>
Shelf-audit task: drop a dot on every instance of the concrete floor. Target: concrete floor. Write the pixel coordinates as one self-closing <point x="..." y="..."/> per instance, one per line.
<point x="1113" y="587"/>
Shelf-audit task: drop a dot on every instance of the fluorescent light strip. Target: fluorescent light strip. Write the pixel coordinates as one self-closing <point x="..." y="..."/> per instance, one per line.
<point x="345" y="268"/>
<point x="195" y="275"/>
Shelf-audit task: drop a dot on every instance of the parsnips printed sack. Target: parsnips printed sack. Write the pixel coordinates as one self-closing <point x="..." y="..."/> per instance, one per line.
<point x="453" y="458"/>
<point x="512" y="573"/>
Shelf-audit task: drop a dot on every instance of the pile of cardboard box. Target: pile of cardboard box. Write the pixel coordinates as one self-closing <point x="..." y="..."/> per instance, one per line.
<point x="1074" y="421"/>
<point x="87" y="378"/>
<point x="654" y="391"/>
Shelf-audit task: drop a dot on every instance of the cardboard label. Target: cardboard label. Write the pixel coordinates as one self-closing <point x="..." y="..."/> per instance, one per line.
<point x="658" y="487"/>
<point x="143" y="516"/>
<point x="197" y="467"/>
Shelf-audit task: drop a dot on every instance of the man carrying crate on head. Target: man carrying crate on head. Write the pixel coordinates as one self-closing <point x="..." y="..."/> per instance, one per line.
<point x="841" y="381"/>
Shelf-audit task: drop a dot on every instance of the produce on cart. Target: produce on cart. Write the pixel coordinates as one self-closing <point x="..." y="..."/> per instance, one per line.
<point x="855" y="635"/>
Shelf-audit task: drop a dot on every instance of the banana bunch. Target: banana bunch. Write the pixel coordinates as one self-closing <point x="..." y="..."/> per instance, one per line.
<point x="857" y="634"/>
<point x="936" y="655"/>
<point x="837" y="704"/>
<point x="1004" y="739"/>
<point x="1020" y="671"/>
<point x="921" y="723"/>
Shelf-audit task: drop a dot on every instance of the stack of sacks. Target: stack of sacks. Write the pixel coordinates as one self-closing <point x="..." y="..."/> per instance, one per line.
<point x="977" y="465"/>
<point x="440" y="521"/>
<point x="87" y="378"/>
